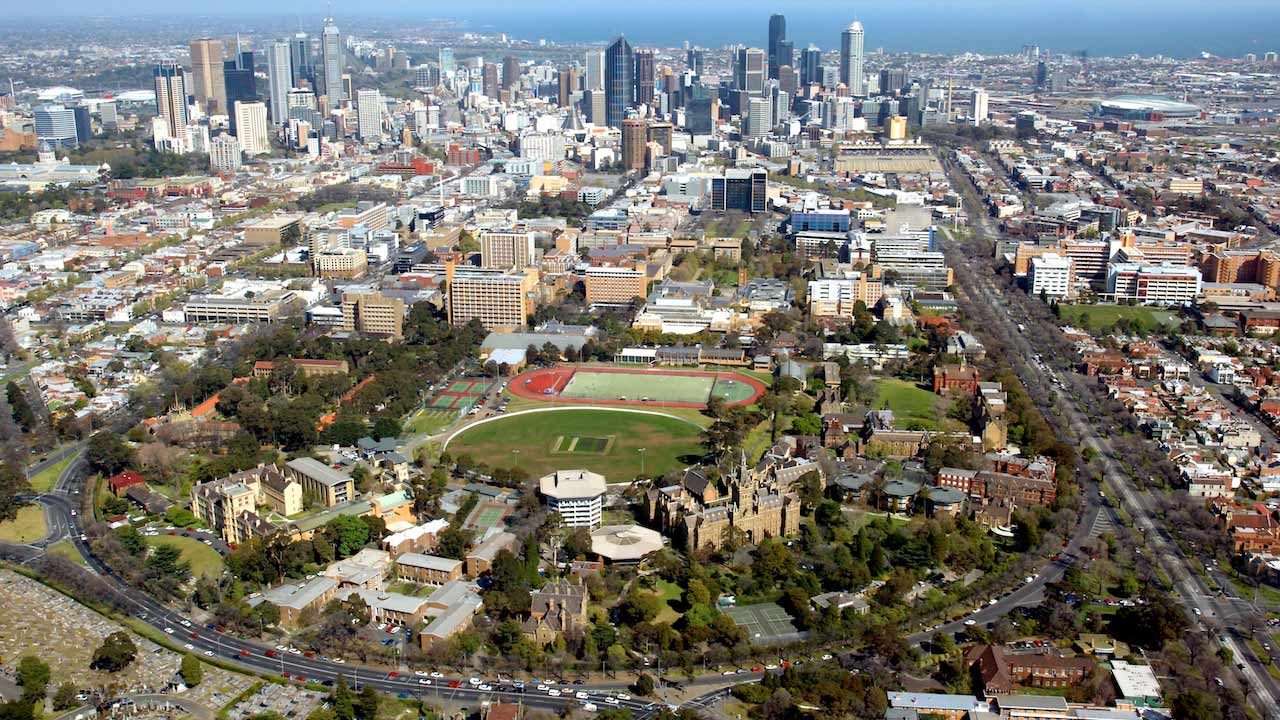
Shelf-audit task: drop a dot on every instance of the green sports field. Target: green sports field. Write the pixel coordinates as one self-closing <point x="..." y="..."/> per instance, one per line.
<point x="637" y="386"/>
<point x="543" y="440"/>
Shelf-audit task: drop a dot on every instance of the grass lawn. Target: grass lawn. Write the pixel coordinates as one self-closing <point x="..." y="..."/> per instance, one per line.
<point x="204" y="560"/>
<point x="67" y="550"/>
<point x="909" y="403"/>
<point x="669" y="443"/>
<point x="668" y="593"/>
<point x="44" y="480"/>
<point x="429" y="422"/>
<point x="1102" y="317"/>
<point x="27" y="527"/>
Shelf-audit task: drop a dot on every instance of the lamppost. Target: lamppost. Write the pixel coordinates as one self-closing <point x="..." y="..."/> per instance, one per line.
<point x="641" y="451"/>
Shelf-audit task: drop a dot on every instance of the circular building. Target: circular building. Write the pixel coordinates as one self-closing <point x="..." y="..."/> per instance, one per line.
<point x="624" y="543"/>
<point x="1146" y="107"/>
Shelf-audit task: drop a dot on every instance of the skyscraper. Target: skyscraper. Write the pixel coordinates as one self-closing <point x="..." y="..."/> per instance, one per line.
<point x="242" y="86"/>
<point x="595" y="70"/>
<point x="171" y="99"/>
<point x="207" y="84"/>
<point x="777" y="33"/>
<point x="786" y="53"/>
<point x="756" y="122"/>
<point x="696" y="59"/>
<point x="618" y="86"/>
<point x="811" y="66"/>
<point x="644" y="76"/>
<point x="851" y="58"/>
<point x="892" y="80"/>
<point x="490" y="77"/>
<point x="447" y="64"/>
<point x="510" y="71"/>
<point x="748" y="71"/>
<point x="251" y="128"/>
<point x="300" y="60"/>
<point x="56" y="125"/>
<point x="331" y="51"/>
<point x="369" y="115"/>
<point x="568" y="84"/>
<point x="978" y="110"/>
<point x="279" y="79"/>
<point x="633" y="141"/>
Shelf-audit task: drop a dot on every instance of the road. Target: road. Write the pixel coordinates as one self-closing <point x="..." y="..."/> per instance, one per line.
<point x="977" y="288"/>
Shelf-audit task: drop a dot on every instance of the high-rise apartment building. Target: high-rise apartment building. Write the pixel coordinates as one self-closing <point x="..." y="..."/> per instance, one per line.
<point x="369" y="109"/>
<point x="506" y="250"/>
<point x="614" y="285"/>
<point x="331" y="54"/>
<point x="851" y="58"/>
<point x="448" y="66"/>
<point x="251" y="128"/>
<point x="777" y="34"/>
<point x="978" y="107"/>
<point x="594" y="70"/>
<point x="498" y="300"/>
<point x="644" y="75"/>
<point x="279" y="79"/>
<point x="749" y="70"/>
<point x="510" y="71"/>
<point x="596" y="108"/>
<point x="224" y="154"/>
<point x="242" y="85"/>
<point x="757" y="120"/>
<point x="696" y="59"/>
<point x="663" y="134"/>
<point x="207" y="83"/>
<point x="568" y="84"/>
<point x="619" y="88"/>
<point x="171" y="99"/>
<point x="893" y="81"/>
<point x="633" y="142"/>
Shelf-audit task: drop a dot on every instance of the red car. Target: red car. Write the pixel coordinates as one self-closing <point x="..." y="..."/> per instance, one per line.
<point x="270" y="653"/>
<point x="244" y="652"/>
<point x="192" y="634"/>
<point x="308" y="654"/>
<point x="455" y="684"/>
<point x="756" y="668"/>
<point x="785" y="664"/>
<point x="393" y="674"/>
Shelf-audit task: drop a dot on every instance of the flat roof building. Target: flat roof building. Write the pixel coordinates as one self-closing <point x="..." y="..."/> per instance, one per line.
<point x="578" y="495"/>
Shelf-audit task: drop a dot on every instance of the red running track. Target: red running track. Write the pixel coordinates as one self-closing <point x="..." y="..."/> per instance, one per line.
<point x="534" y="384"/>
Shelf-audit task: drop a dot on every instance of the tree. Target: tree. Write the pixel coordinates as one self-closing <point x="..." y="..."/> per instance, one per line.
<point x="366" y="705"/>
<point x="21" y="407"/>
<point x="1195" y="705"/>
<point x="643" y="685"/>
<point x="64" y="698"/>
<point x="33" y="676"/>
<point x="108" y="453"/>
<point x="191" y="670"/>
<point x="115" y="653"/>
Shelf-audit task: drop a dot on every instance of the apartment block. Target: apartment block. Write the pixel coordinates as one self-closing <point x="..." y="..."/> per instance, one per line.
<point x="373" y="314"/>
<point x="506" y="250"/>
<point x="498" y="300"/>
<point x="615" y="285"/>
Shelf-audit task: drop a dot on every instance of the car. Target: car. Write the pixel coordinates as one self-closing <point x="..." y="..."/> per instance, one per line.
<point x="189" y="646"/>
<point x="826" y="656"/>
<point x="579" y="681"/>
<point x="611" y="700"/>
<point x="455" y="684"/>
<point x="437" y="675"/>
<point x="771" y="666"/>
<point x="474" y="681"/>
<point x="726" y="673"/>
<point x="623" y="696"/>
<point x="208" y="653"/>
<point x="590" y="707"/>
<point x="581" y="695"/>
<point x="186" y="623"/>
<point x="271" y="653"/>
<point x="1196" y="611"/>
<point x="393" y="675"/>
<point x="244" y="651"/>
<point x="294" y="651"/>
<point x="169" y="630"/>
<point x="970" y="623"/>
<point x="420" y="673"/>
<point x="542" y="688"/>
<point x="193" y="634"/>
<point x="740" y="671"/>
<point x="486" y="687"/>
<point x="340" y="661"/>
<point x="282" y="647"/>
<point x="424" y="681"/>
<point x="756" y="668"/>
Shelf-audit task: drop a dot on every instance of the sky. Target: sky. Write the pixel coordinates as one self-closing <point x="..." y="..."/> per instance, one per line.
<point x="1172" y="27"/>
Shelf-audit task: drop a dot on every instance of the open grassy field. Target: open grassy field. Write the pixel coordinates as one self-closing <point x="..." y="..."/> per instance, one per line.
<point x="44" y="480"/>
<point x="429" y="422"/>
<point x="1103" y="317"/>
<point x="28" y="526"/>
<point x="67" y="550"/>
<point x="613" y="386"/>
<point x="669" y="443"/>
<point x="204" y="559"/>
<point x="912" y="406"/>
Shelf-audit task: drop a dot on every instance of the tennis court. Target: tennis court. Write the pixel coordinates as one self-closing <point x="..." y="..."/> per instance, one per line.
<point x="639" y="386"/>
<point x="461" y="394"/>
<point x="485" y="516"/>
<point x="764" y="623"/>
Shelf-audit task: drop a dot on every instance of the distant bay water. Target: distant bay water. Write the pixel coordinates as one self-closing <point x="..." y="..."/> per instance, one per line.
<point x="1178" y="28"/>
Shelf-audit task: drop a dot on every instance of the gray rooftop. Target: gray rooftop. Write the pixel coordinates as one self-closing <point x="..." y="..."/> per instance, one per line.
<point x="318" y="471"/>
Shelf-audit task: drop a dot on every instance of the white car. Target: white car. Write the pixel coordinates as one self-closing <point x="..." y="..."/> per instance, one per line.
<point x="611" y="700"/>
<point x="826" y="657"/>
<point x="437" y="675"/>
<point x="623" y="696"/>
<point x="553" y="692"/>
<point x="474" y="681"/>
<point x="590" y="707"/>
<point x="543" y="688"/>
<point x="770" y="667"/>
<point x="581" y="695"/>
<point x="486" y="687"/>
<point x="186" y="623"/>
<point x="169" y="630"/>
<point x="282" y="647"/>
<point x="420" y="673"/>
<point x="424" y="681"/>
<point x="340" y="661"/>
<point x="970" y="623"/>
<point x="208" y="653"/>
<point x="727" y="673"/>
<point x="189" y="646"/>
<point x="294" y="651"/>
